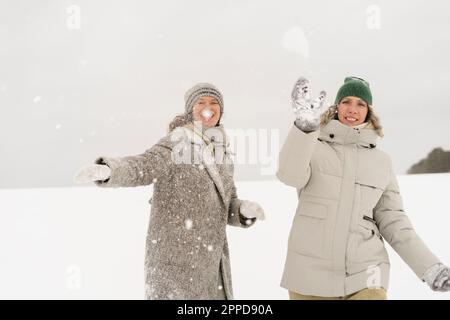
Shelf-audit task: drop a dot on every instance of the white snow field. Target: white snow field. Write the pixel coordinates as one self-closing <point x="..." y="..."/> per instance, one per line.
<point x="88" y="242"/>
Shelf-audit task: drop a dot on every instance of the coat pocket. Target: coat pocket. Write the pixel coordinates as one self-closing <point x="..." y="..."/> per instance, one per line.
<point x="307" y="232"/>
<point x="370" y="191"/>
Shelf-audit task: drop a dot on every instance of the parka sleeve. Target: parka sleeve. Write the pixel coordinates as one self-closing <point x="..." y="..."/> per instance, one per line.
<point x="137" y="170"/>
<point x="294" y="168"/>
<point x="397" y="230"/>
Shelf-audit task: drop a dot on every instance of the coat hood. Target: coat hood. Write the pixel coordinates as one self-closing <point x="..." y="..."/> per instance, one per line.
<point x="337" y="132"/>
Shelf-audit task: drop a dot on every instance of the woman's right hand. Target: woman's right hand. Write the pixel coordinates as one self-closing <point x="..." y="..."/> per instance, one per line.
<point x="92" y="172"/>
<point x="307" y="111"/>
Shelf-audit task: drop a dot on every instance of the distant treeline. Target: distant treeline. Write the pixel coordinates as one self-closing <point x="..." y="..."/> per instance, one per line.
<point x="438" y="160"/>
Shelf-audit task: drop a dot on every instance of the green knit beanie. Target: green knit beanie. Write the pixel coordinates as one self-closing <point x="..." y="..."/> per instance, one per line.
<point x="355" y="87"/>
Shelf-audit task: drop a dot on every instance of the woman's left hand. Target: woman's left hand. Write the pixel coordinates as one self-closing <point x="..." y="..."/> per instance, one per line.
<point x="438" y="277"/>
<point x="250" y="209"/>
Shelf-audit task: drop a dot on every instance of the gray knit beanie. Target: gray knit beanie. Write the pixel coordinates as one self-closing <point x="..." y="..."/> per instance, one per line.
<point x="201" y="90"/>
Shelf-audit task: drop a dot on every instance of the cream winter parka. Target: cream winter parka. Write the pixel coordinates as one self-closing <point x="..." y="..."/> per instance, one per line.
<point x="349" y="205"/>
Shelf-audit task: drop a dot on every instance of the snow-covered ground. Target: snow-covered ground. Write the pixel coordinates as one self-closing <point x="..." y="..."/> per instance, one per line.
<point x="72" y="243"/>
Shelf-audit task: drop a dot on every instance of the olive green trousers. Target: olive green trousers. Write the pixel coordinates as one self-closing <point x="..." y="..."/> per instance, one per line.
<point x="365" y="294"/>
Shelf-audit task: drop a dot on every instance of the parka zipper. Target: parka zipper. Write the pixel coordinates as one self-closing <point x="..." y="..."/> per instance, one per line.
<point x="369" y="219"/>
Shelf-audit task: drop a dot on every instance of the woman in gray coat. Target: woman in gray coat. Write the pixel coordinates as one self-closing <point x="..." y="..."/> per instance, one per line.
<point x="349" y="202"/>
<point x="194" y="199"/>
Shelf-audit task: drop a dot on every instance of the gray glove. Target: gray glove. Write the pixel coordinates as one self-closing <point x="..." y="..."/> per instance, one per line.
<point x="307" y="111"/>
<point x="92" y="172"/>
<point x="438" y="277"/>
<point x="250" y="209"/>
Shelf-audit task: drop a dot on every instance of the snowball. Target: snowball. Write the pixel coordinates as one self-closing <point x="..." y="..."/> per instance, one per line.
<point x="188" y="224"/>
<point x="207" y="114"/>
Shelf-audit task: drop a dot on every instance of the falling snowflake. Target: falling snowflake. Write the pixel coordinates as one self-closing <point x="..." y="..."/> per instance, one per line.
<point x="210" y="248"/>
<point x="248" y="222"/>
<point x="201" y="167"/>
<point x="191" y="279"/>
<point x="58" y="126"/>
<point x="220" y="287"/>
<point x="81" y="140"/>
<point x="199" y="238"/>
<point x="37" y="99"/>
<point x="141" y="173"/>
<point x="295" y="40"/>
<point x="188" y="224"/>
<point x="154" y="241"/>
<point x="155" y="180"/>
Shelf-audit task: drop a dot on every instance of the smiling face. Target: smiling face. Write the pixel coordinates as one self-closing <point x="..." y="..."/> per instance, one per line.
<point x="352" y="111"/>
<point x="207" y="110"/>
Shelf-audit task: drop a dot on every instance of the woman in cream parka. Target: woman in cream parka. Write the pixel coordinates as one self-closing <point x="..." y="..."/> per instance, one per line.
<point x="349" y="202"/>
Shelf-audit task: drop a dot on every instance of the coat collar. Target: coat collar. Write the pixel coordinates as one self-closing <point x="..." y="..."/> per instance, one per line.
<point x="337" y="132"/>
<point x="206" y="143"/>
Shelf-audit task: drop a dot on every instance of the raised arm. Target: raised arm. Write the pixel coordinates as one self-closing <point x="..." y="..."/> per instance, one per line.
<point x="295" y="156"/>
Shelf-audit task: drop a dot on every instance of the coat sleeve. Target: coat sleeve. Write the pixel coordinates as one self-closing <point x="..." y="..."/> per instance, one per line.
<point x="294" y="163"/>
<point x="138" y="170"/>
<point x="398" y="231"/>
<point x="235" y="218"/>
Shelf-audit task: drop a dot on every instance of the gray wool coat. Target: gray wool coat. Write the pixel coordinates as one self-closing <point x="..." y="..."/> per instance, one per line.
<point x="194" y="199"/>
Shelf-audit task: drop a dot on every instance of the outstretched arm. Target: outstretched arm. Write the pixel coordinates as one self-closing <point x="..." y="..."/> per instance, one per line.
<point x="138" y="170"/>
<point x="130" y="171"/>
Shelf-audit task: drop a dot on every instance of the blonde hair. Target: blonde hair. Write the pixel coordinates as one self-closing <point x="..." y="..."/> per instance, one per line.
<point x="372" y="119"/>
<point x="180" y="120"/>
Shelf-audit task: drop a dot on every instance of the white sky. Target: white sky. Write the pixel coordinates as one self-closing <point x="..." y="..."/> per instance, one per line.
<point x="116" y="82"/>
